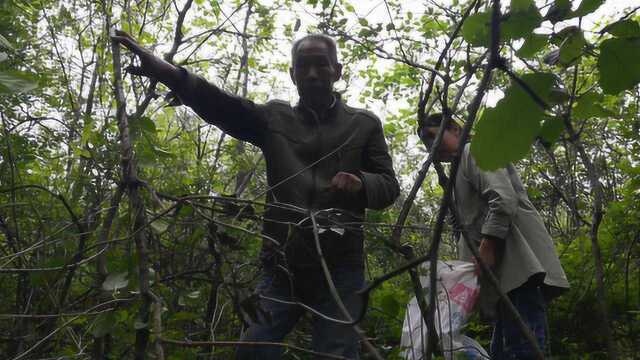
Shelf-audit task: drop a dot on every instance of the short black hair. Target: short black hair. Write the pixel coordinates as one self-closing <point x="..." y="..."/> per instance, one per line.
<point x="434" y="120"/>
<point x="331" y="44"/>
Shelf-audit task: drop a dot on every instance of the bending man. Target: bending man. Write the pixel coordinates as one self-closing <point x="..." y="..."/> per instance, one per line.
<point x="494" y="212"/>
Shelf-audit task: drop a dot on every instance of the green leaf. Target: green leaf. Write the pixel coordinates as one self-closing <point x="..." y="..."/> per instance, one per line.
<point x="104" y="324"/>
<point x="505" y="133"/>
<point x="552" y="129"/>
<point x="624" y="29"/>
<point x="476" y="30"/>
<point x="184" y="316"/>
<point x="589" y="105"/>
<point x="159" y="226"/>
<point x="618" y="64"/>
<point x="558" y="11"/>
<point x="521" y="21"/>
<point x="144" y="124"/>
<point x="86" y="132"/>
<point x="363" y="22"/>
<point x="115" y="281"/>
<point x="571" y="48"/>
<point x="12" y="82"/>
<point x="540" y="83"/>
<point x="587" y="7"/>
<point x="5" y="43"/>
<point x="390" y="305"/>
<point x="81" y="151"/>
<point x="3" y="56"/>
<point x="559" y="37"/>
<point x="161" y="152"/>
<point x="139" y="324"/>
<point x="521" y="5"/>
<point x="532" y="45"/>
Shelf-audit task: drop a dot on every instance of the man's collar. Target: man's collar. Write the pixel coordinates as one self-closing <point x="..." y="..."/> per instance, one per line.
<point x="334" y="100"/>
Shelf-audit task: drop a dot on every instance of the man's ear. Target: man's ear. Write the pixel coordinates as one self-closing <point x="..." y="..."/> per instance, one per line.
<point x="338" y="72"/>
<point x="293" y="78"/>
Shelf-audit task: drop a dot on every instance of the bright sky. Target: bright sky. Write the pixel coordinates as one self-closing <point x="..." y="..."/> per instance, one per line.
<point x="376" y="11"/>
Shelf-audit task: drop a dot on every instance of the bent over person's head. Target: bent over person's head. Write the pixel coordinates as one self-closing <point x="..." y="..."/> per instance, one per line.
<point x="450" y="145"/>
<point x="315" y="67"/>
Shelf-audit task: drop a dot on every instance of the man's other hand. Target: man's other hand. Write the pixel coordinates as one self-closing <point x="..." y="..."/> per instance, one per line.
<point x="345" y="181"/>
<point x="150" y="65"/>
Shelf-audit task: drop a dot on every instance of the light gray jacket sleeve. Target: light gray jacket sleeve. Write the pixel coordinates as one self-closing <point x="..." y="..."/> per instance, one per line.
<point x="496" y="189"/>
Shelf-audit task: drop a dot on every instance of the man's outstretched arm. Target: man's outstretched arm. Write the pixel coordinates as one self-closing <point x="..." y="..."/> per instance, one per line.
<point x="238" y="117"/>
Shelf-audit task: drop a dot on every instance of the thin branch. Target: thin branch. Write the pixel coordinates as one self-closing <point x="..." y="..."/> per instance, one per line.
<point x="249" y="343"/>
<point x="334" y="292"/>
<point x="64" y="325"/>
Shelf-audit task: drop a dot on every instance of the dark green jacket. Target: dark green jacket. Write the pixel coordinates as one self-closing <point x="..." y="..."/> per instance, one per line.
<point x="303" y="151"/>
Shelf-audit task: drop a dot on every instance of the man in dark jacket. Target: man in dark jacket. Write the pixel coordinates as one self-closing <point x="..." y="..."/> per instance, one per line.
<point x="320" y="154"/>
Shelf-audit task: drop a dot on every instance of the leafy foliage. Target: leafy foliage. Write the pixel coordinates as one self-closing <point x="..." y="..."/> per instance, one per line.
<point x="67" y="248"/>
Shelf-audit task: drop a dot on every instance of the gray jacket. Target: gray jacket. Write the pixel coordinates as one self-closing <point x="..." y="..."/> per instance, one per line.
<point x="495" y="203"/>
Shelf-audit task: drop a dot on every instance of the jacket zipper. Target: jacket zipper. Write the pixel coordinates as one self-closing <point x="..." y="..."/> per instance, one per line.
<point x="314" y="180"/>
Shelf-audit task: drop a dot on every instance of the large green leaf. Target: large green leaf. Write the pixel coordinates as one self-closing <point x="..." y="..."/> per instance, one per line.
<point x="587" y="7"/>
<point x="477" y="29"/>
<point x="589" y="105"/>
<point x="521" y="5"/>
<point x="521" y="21"/>
<point x="559" y="11"/>
<point x="390" y="305"/>
<point x="12" y="82"/>
<point x="532" y="45"/>
<point x="505" y="133"/>
<point x="540" y="83"/>
<point x="551" y="129"/>
<point x="618" y="64"/>
<point x="624" y="29"/>
<point x="142" y="124"/>
<point x="571" y="48"/>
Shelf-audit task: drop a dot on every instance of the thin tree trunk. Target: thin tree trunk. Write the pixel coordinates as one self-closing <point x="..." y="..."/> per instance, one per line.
<point x="136" y="207"/>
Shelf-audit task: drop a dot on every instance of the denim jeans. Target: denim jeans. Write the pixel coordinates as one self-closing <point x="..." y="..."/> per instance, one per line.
<point x="309" y="287"/>
<point x="508" y="342"/>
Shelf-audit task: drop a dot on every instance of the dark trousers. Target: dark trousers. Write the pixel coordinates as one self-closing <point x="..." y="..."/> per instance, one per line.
<point x="310" y="288"/>
<point x="508" y="342"/>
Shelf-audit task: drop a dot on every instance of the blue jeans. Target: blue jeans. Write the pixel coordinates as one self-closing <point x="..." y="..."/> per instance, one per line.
<point x="508" y="342"/>
<point x="309" y="287"/>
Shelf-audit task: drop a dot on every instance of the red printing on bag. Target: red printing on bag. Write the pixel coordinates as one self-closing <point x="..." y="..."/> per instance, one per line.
<point x="463" y="296"/>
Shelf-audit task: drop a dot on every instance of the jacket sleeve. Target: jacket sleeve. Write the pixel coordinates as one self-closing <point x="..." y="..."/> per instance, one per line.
<point x="496" y="189"/>
<point x="380" y="183"/>
<point x="238" y="117"/>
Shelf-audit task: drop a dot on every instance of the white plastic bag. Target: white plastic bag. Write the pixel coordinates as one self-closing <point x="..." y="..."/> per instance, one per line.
<point x="458" y="290"/>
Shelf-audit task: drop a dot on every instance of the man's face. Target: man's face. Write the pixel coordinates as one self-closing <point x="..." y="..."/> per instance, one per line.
<point x="449" y="146"/>
<point x="313" y="70"/>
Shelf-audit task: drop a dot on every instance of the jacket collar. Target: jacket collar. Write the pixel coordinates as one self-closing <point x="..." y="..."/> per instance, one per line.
<point x="329" y="112"/>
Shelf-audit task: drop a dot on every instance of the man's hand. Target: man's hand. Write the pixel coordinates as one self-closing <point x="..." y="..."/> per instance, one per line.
<point x="487" y="252"/>
<point x="150" y="65"/>
<point x="345" y="181"/>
